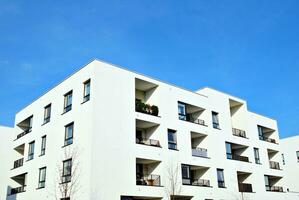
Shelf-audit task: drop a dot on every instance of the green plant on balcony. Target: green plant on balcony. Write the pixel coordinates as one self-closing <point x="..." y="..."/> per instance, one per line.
<point x="146" y="108"/>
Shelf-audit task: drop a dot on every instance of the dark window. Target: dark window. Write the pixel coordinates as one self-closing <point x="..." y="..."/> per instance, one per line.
<point x="68" y="98"/>
<point x="220" y="178"/>
<point x="215" y="120"/>
<point x="283" y="160"/>
<point x="186" y="171"/>
<point x="261" y="133"/>
<point x="47" y="114"/>
<point x="86" y="95"/>
<point x="172" y="139"/>
<point x="31" y="150"/>
<point x="67" y="171"/>
<point x="182" y="111"/>
<point x="297" y="153"/>
<point x="267" y="183"/>
<point x="43" y="146"/>
<point x="69" y="131"/>
<point x="42" y="177"/>
<point x="257" y="156"/>
<point x="66" y="198"/>
<point x="228" y="147"/>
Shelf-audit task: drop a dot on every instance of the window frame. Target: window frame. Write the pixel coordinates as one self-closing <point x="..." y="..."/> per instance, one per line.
<point x="220" y="178"/>
<point x="182" y="116"/>
<point x="86" y="96"/>
<point x="31" y="149"/>
<point x="47" y="113"/>
<point x="216" y="124"/>
<point x="68" y="101"/>
<point x="42" y="183"/>
<point x="173" y="145"/>
<point x="43" y="145"/>
<point x="68" y="140"/>
<point x="257" y="157"/>
<point x="65" y="178"/>
<point x="297" y="154"/>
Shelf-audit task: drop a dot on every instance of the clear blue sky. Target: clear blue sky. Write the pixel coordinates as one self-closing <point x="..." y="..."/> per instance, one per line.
<point x="246" y="48"/>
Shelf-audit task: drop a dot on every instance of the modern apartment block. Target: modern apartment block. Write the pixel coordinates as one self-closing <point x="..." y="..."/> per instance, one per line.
<point x="109" y="133"/>
<point x="290" y="156"/>
<point x="5" y="146"/>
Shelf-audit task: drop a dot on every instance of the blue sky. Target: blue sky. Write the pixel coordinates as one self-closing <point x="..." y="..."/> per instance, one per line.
<point x="249" y="49"/>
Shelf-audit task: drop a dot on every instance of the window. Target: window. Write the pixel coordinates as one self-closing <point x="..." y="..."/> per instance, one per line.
<point x="42" y="177"/>
<point x="220" y="178"/>
<point x="67" y="171"/>
<point x="297" y="153"/>
<point x="267" y="183"/>
<point x="186" y="171"/>
<point x="68" y="98"/>
<point x="228" y="147"/>
<point x="215" y="120"/>
<point x="43" y="146"/>
<point x="86" y="95"/>
<point x="69" y="130"/>
<point x="31" y="150"/>
<point x="256" y="155"/>
<point x="182" y="111"/>
<point x="283" y="160"/>
<point x="261" y="133"/>
<point x="47" y="114"/>
<point x="172" y="140"/>
<point x="66" y="198"/>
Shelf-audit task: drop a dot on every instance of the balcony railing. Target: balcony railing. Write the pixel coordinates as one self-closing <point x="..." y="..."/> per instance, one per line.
<point x="237" y="157"/>
<point x="200" y="152"/>
<point x="196" y="182"/>
<point x="24" y="133"/>
<point x="146" y="108"/>
<point x="245" y="187"/>
<point x="149" y="142"/>
<point x="17" y="190"/>
<point x="274" y="188"/>
<point x="18" y="163"/>
<point x="148" y="180"/>
<point x="274" y="165"/>
<point x="239" y="133"/>
<point x="267" y="139"/>
<point x="189" y="118"/>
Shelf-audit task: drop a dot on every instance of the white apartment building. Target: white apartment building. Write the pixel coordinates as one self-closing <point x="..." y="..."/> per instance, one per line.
<point x="5" y="162"/>
<point x="106" y="133"/>
<point x="290" y="147"/>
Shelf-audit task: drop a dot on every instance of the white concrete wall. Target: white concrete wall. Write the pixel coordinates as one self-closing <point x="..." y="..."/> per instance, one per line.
<point x="6" y="134"/>
<point x="104" y="134"/>
<point x="290" y="146"/>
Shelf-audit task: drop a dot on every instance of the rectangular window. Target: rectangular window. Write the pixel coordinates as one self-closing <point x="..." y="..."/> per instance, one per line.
<point x="297" y="153"/>
<point x="172" y="139"/>
<point x="31" y="150"/>
<point x="86" y="95"/>
<point x="69" y="131"/>
<point x="261" y="133"/>
<point x="220" y="178"/>
<point x="186" y="174"/>
<point x="228" y="147"/>
<point x="43" y="146"/>
<point x="68" y="98"/>
<point x="267" y="183"/>
<point x="47" y="114"/>
<point x="257" y="155"/>
<point x="42" y="177"/>
<point x="182" y="111"/>
<point x="215" y="120"/>
<point x="67" y="171"/>
<point x="283" y="160"/>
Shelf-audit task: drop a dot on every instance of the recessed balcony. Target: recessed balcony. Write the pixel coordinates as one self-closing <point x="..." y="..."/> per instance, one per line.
<point x="273" y="155"/>
<point x="194" y="175"/>
<point x="197" y="143"/>
<point x="20" y="184"/>
<point x="265" y="134"/>
<point x="242" y="179"/>
<point x="236" y="151"/>
<point x="239" y="132"/>
<point x="25" y="126"/>
<point x="191" y="113"/>
<point x="146" y="172"/>
<point x="145" y="133"/>
<point x="271" y="183"/>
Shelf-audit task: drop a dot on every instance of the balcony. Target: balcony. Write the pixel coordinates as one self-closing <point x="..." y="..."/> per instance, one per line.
<point x="18" y="163"/>
<point x="146" y="172"/>
<point x="146" y="108"/>
<point x="17" y="190"/>
<point x="235" y="151"/>
<point x="274" y="188"/>
<point x="190" y="113"/>
<point x="274" y="165"/>
<point x="200" y="152"/>
<point x="149" y="142"/>
<point x="192" y="175"/>
<point x="145" y="131"/>
<point x="265" y="134"/>
<point x="245" y="187"/>
<point x="25" y="126"/>
<point x="239" y="133"/>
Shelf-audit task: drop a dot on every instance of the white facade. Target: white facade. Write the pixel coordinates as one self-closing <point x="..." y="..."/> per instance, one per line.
<point x="290" y="148"/>
<point x="121" y="152"/>
<point x="5" y="146"/>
